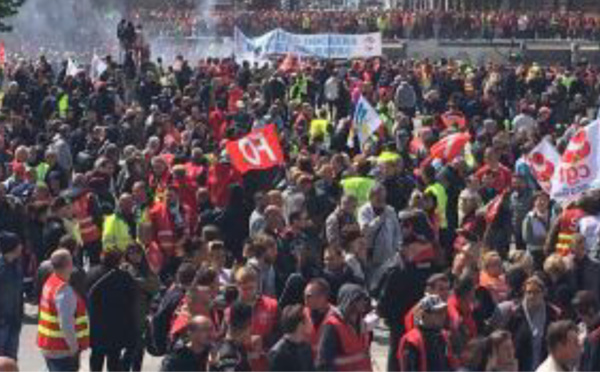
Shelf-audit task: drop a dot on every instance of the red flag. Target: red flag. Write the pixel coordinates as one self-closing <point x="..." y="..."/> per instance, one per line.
<point x="2" y="54"/>
<point x="454" y="118"/>
<point x="493" y="207"/>
<point x="258" y="150"/>
<point x="450" y="146"/>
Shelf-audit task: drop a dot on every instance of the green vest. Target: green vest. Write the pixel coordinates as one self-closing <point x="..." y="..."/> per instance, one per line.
<point x="359" y="187"/>
<point x="115" y="234"/>
<point x="442" y="200"/>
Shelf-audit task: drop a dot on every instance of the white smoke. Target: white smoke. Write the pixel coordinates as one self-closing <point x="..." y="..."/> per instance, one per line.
<point x="60" y="27"/>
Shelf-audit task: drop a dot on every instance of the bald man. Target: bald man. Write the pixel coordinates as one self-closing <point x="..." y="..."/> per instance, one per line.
<point x="8" y="365"/>
<point x="193" y="354"/>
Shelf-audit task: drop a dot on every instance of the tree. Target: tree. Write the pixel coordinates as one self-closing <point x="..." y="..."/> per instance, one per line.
<point x="8" y="8"/>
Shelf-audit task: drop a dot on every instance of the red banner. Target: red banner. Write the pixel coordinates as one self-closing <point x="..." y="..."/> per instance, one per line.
<point x="258" y="150"/>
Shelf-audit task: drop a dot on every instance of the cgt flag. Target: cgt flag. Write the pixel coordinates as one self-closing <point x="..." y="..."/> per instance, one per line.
<point x="578" y="168"/>
<point x="543" y="161"/>
<point x="258" y="150"/>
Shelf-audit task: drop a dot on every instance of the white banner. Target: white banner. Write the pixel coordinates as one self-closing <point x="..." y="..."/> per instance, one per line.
<point x="578" y="167"/>
<point x="543" y="161"/>
<point x="321" y="45"/>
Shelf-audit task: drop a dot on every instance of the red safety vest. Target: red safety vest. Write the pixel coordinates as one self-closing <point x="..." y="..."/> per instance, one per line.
<point x="264" y="319"/>
<point x="315" y="331"/>
<point x="567" y="230"/>
<point x="90" y="232"/>
<point x="415" y="338"/>
<point x="50" y="335"/>
<point x="355" y="347"/>
<point x="164" y="229"/>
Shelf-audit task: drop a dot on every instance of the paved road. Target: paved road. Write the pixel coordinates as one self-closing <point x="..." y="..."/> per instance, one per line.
<point x="30" y="358"/>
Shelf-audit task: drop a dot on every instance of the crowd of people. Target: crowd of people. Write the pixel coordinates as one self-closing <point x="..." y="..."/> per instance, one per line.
<point x="123" y="217"/>
<point x="394" y="24"/>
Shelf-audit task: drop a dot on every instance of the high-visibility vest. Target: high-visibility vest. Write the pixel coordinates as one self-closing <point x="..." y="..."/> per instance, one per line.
<point x="115" y="234"/>
<point x="567" y="230"/>
<point x="264" y="320"/>
<point x="442" y="200"/>
<point x="315" y="330"/>
<point x="164" y="231"/>
<point x="50" y="336"/>
<point x="87" y="228"/>
<point x="415" y="339"/>
<point x="359" y="187"/>
<point x="354" y="346"/>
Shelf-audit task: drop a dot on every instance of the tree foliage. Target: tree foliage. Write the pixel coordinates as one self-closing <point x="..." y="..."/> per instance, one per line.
<point x="8" y="8"/>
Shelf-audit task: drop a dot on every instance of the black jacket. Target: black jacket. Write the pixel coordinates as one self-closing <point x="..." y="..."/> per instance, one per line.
<point x="229" y="356"/>
<point x="112" y="304"/>
<point x="520" y="330"/>
<point x="182" y="358"/>
<point x="287" y="355"/>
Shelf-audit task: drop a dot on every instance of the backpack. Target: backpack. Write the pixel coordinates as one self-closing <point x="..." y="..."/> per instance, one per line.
<point x="158" y="324"/>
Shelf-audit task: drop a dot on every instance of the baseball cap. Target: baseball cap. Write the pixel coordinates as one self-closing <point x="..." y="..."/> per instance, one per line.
<point x="431" y="302"/>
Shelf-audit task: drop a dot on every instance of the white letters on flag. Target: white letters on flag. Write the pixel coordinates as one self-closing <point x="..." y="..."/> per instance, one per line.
<point x="578" y="167"/>
<point x="543" y="161"/>
<point x="366" y="120"/>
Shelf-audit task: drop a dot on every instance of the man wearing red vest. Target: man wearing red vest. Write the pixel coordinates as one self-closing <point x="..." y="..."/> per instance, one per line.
<point x="88" y="216"/>
<point x="437" y="284"/>
<point x="564" y="229"/>
<point x="265" y="316"/>
<point x="426" y="348"/>
<point x="345" y="344"/>
<point x="63" y="327"/>
<point x="171" y="223"/>
<point x="316" y="309"/>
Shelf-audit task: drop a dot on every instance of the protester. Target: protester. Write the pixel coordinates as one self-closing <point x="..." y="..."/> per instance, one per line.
<point x="62" y="310"/>
<point x="193" y="354"/>
<point x="293" y="351"/>
<point x="563" y="345"/>
<point x="112" y="299"/>
<point x="426" y="347"/>
<point x="11" y="294"/>
<point x="344" y="344"/>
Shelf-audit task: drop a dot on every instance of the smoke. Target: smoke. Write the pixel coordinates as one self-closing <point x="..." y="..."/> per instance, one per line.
<point x="63" y="27"/>
<point x="200" y="38"/>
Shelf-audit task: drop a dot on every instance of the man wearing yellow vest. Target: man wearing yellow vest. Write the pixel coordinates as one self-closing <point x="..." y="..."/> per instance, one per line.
<point x="120" y="227"/>
<point x="441" y="197"/>
<point x="63" y="327"/>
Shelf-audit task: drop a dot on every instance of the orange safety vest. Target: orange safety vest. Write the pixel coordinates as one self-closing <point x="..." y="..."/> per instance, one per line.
<point x="90" y="232"/>
<point x="50" y="336"/>
<point x="355" y="347"/>
<point x="315" y="331"/>
<point x="415" y="338"/>
<point x="567" y="230"/>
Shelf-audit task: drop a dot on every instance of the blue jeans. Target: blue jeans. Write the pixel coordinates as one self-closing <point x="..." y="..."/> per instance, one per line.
<point x="9" y="339"/>
<point x="66" y="364"/>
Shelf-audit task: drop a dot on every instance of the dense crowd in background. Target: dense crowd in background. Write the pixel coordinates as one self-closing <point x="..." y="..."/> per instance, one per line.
<point x="394" y="24"/>
<point x="123" y="218"/>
